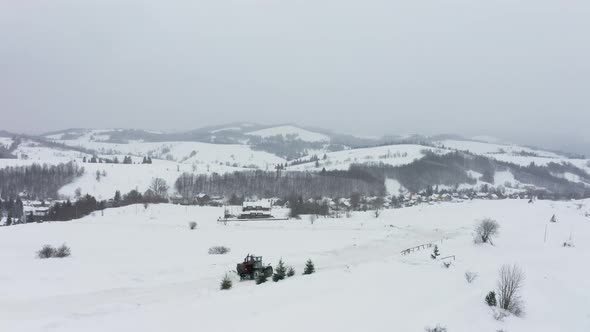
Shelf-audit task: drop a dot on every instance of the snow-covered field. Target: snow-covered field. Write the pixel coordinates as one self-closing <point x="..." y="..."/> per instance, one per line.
<point x="137" y="269"/>
<point x="395" y="155"/>
<point x="515" y="154"/>
<point x="291" y="131"/>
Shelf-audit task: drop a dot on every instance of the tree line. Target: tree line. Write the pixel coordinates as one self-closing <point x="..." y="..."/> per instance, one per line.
<point x="38" y="181"/>
<point x="263" y="184"/>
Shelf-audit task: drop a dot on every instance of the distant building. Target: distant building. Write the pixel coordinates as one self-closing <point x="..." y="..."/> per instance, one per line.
<point x="256" y="210"/>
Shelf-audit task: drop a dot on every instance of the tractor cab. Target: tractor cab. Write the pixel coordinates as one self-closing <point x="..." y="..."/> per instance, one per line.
<point x="253" y="262"/>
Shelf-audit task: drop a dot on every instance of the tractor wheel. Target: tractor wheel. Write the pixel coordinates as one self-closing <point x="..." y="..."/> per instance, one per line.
<point x="268" y="271"/>
<point x="255" y="275"/>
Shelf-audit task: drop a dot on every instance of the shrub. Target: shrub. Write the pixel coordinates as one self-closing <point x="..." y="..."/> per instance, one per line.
<point x="568" y="244"/>
<point x="261" y="279"/>
<point x="219" y="250"/>
<point x="62" y="251"/>
<point x="447" y="264"/>
<point x="280" y="272"/>
<point x="309" y="267"/>
<point x="226" y="283"/>
<point x="192" y="225"/>
<point x="486" y="230"/>
<point x="50" y="252"/>
<point x="438" y="328"/>
<point x="46" y="252"/>
<point x="290" y="272"/>
<point x="491" y="299"/>
<point x="470" y="276"/>
<point x="509" y="285"/>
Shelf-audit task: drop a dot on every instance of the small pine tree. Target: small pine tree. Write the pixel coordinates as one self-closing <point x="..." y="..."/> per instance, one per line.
<point x="261" y="279"/>
<point x="290" y="272"/>
<point x="280" y="272"/>
<point x="309" y="267"/>
<point x="435" y="253"/>
<point x="226" y="283"/>
<point x="553" y="219"/>
<point x="491" y="299"/>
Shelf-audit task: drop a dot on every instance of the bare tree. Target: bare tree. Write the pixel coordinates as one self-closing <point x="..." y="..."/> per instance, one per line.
<point x="159" y="187"/>
<point x="377" y="213"/>
<point x="510" y="282"/>
<point x="486" y="230"/>
<point x="470" y="276"/>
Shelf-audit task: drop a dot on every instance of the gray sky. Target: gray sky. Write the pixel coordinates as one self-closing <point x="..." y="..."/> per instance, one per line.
<point x="509" y="68"/>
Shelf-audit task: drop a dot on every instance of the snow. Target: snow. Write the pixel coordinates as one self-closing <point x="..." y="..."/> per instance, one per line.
<point x="264" y="203"/>
<point x="505" y="152"/>
<point x="285" y="131"/>
<point x="137" y="269"/>
<point x="395" y="155"/>
<point x="503" y="177"/>
<point x="393" y="187"/>
<point x="483" y="138"/>
<point x="6" y="141"/>
<point x="226" y="129"/>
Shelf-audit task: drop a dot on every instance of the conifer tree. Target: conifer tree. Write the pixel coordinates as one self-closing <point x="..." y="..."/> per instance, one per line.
<point x="491" y="299"/>
<point x="226" y="283"/>
<point x="435" y="253"/>
<point x="280" y="272"/>
<point x="262" y="278"/>
<point x="309" y="267"/>
<point x="290" y="272"/>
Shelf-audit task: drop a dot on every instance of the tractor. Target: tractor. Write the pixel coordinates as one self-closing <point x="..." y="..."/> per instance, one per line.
<point x="252" y="267"/>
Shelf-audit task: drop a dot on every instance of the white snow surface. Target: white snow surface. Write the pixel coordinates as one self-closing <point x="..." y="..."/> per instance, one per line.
<point x="507" y="153"/>
<point x="393" y="187"/>
<point x="137" y="269"/>
<point x="395" y="155"/>
<point x="5" y="141"/>
<point x="286" y="131"/>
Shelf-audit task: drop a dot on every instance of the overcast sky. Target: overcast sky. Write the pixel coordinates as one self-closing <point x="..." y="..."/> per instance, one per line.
<point x="508" y="68"/>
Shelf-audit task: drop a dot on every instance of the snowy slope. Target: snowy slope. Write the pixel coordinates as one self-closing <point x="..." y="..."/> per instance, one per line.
<point x="170" y="159"/>
<point x="137" y="269"/>
<point x="394" y="155"/>
<point x="206" y="159"/>
<point x="509" y="153"/>
<point x="291" y="131"/>
<point x="6" y="141"/>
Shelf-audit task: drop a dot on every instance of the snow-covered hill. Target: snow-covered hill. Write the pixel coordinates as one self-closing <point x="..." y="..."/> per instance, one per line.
<point x="143" y="269"/>
<point x="519" y="155"/>
<point x="395" y="155"/>
<point x="290" y="132"/>
<point x="173" y="157"/>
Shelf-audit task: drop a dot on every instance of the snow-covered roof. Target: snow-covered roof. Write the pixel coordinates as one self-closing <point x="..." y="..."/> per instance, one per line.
<point x="262" y="203"/>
